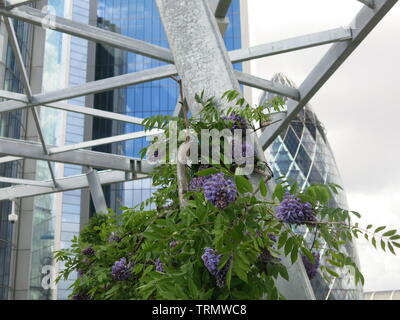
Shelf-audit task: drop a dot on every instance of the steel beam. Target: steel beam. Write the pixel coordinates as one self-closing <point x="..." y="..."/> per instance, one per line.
<point x="33" y="150"/>
<point x="92" y="33"/>
<point x="96" y="191"/>
<point x="10" y="4"/>
<point x="292" y="44"/>
<point x="99" y="142"/>
<point x="93" y="87"/>
<point x="73" y="108"/>
<point x="26" y="182"/>
<point x="362" y="25"/>
<point x="368" y="3"/>
<point x="67" y="184"/>
<point x="267" y="85"/>
<point x="9" y="159"/>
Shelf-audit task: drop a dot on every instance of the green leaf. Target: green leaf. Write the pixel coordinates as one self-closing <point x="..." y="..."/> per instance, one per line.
<point x="356" y="214"/>
<point x="279" y="192"/>
<point x="374" y="242"/>
<point x="396" y="244"/>
<point x="283" y="272"/>
<point x="391" y="248"/>
<point x="238" y="269"/>
<point x="207" y="172"/>
<point x="379" y="229"/>
<point x="282" y="239"/>
<point x="331" y="272"/>
<point x="192" y="288"/>
<point x="243" y="185"/>
<point x="396" y="237"/>
<point x="263" y="188"/>
<point x="383" y="245"/>
<point x="289" y="246"/>
<point x="390" y="233"/>
<point x="308" y="254"/>
<point x="295" y="254"/>
<point x="229" y="277"/>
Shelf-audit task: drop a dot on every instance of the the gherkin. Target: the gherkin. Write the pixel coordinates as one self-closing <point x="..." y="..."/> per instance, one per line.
<point x="302" y="153"/>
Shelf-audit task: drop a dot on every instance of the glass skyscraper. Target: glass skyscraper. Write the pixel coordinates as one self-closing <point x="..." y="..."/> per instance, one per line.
<point x="302" y="153"/>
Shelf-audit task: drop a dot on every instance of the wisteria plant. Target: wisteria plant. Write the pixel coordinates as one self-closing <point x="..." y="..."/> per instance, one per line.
<point x="229" y="239"/>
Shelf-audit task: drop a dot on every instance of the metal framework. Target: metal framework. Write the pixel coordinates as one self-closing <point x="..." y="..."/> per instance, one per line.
<point x="344" y="40"/>
<point x="183" y="52"/>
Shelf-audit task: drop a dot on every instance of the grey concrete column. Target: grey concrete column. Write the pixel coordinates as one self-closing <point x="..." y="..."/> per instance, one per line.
<point x="202" y="61"/>
<point x="23" y="253"/>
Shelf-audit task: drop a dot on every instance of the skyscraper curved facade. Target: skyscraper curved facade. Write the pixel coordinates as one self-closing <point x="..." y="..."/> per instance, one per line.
<point x="302" y="153"/>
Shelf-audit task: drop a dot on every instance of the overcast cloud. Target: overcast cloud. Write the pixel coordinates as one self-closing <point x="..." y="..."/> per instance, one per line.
<point x="359" y="106"/>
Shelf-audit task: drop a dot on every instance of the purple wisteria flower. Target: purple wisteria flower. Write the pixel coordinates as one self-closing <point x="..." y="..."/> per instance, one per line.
<point x="159" y="265"/>
<point x="121" y="270"/>
<point x="114" y="237"/>
<point x="292" y="210"/>
<point x="197" y="183"/>
<point x="89" y="252"/>
<point x="211" y="259"/>
<point x="312" y="268"/>
<point x="220" y="191"/>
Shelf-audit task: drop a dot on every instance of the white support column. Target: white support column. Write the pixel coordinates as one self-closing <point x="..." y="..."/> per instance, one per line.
<point x="193" y="34"/>
<point x="96" y="191"/>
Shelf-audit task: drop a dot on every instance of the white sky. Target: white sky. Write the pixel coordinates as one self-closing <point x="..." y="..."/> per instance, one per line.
<point x="359" y="106"/>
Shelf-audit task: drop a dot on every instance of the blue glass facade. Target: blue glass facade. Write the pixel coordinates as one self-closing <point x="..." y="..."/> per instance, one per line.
<point x="302" y="153"/>
<point x="11" y="126"/>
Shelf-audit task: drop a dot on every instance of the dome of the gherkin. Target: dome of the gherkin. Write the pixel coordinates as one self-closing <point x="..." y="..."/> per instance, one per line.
<point x="302" y="154"/>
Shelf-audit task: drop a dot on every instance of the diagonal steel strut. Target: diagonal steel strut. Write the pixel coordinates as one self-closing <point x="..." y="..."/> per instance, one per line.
<point x="25" y="80"/>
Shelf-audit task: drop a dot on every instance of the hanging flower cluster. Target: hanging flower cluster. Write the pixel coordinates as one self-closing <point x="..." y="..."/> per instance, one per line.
<point x="211" y="259"/>
<point x="159" y="265"/>
<point x="311" y="268"/>
<point x="220" y="191"/>
<point x="196" y="184"/>
<point x="292" y="210"/>
<point x="121" y="270"/>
